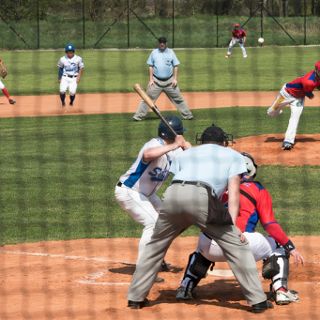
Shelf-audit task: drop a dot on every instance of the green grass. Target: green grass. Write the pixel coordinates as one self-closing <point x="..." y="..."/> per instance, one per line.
<point x="35" y="72"/>
<point x="190" y="32"/>
<point x="58" y="174"/>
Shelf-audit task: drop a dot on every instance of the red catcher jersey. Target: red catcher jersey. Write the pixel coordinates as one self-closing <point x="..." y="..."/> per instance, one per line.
<point x="250" y="213"/>
<point x="303" y="86"/>
<point x="238" y="33"/>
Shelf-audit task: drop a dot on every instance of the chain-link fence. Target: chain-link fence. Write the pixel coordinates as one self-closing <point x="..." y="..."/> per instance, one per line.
<point x="31" y="24"/>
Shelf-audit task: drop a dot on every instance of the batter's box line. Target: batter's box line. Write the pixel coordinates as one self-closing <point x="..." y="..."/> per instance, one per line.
<point x="91" y="279"/>
<point x="62" y="256"/>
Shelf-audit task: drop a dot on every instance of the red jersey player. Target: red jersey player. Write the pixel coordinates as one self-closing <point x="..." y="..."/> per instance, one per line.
<point x="238" y="36"/>
<point x="293" y="93"/>
<point x="255" y="205"/>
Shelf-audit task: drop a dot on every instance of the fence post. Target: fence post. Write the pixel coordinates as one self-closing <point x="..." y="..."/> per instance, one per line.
<point x="38" y="24"/>
<point x="305" y="23"/>
<point x="83" y="25"/>
<point x="128" y="23"/>
<point x="173" y="22"/>
<point x="217" y="25"/>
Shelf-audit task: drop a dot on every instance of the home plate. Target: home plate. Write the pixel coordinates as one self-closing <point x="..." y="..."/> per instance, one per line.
<point x="220" y="273"/>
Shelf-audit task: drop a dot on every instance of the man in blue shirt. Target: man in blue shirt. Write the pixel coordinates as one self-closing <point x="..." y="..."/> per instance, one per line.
<point x="201" y="174"/>
<point x="163" y="76"/>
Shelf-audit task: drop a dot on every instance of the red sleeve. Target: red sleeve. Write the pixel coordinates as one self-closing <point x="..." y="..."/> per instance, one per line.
<point x="267" y="218"/>
<point x="244" y="34"/>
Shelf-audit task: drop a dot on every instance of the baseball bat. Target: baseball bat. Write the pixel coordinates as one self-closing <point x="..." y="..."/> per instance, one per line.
<point x="144" y="96"/>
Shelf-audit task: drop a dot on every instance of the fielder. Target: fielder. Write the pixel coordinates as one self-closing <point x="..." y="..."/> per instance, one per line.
<point x="293" y="94"/>
<point x="70" y="71"/>
<point x="239" y="36"/>
<point x="136" y="189"/>
<point x="255" y="205"/>
<point x="163" y="77"/>
<point x="3" y="73"/>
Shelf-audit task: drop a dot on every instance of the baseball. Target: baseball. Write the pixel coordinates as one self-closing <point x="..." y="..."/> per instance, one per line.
<point x="261" y="40"/>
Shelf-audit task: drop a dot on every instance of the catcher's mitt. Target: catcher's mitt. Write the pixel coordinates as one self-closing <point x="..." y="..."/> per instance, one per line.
<point x="3" y="69"/>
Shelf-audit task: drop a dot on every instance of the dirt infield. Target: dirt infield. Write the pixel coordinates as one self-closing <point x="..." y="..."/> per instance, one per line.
<point x="266" y="149"/>
<point x="88" y="279"/>
<point x="49" y="105"/>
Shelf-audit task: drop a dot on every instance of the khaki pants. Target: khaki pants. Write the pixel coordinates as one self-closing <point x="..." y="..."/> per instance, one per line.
<point x="173" y="94"/>
<point x="183" y="206"/>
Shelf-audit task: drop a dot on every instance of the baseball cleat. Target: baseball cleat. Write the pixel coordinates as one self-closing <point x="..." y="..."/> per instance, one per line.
<point x="136" y="118"/>
<point x="286" y="297"/>
<point x="287" y="145"/>
<point x="184" y="293"/>
<point x="63" y="104"/>
<point x="261" y="307"/>
<point x="245" y="56"/>
<point x="226" y="56"/>
<point x="12" y="101"/>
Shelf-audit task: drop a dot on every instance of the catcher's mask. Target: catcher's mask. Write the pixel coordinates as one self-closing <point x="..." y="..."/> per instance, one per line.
<point x="214" y="134"/>
<point x="251" y="165"/>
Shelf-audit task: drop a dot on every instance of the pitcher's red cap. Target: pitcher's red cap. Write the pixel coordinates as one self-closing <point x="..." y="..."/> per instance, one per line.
<point x="317" y="65"/>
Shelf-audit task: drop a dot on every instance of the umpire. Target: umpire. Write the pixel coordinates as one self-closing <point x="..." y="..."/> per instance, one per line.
<point x="201" y="174"/>
<point x="163" y="76"/>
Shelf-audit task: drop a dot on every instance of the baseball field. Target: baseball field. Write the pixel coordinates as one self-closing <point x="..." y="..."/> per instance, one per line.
<point x="67" y="248"/>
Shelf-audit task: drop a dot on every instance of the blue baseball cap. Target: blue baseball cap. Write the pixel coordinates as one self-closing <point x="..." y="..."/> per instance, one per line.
<point x="69" y="47"/>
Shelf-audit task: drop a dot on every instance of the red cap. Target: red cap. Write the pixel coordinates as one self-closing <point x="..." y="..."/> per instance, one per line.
<point x="317" y="65"/>
<point x="236" y="25"/>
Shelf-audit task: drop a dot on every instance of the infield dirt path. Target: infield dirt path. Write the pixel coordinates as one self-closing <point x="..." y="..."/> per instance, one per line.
<point x="49" y="105"/>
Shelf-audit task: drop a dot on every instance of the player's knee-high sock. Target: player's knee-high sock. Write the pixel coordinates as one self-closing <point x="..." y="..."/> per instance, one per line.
<point x="6" y="93"/>
<point x="72" y="99"/>
<point x="62" y="98"/>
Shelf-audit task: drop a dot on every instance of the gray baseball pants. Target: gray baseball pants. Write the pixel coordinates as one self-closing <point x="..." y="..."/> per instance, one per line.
<point x="183" y="206"/>
<point x="173" y="94"/>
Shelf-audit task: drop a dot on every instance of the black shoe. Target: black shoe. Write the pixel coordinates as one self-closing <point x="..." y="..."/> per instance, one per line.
<point x="137" y="304"/>
<point x="261" y="307"/>
<point x="164" y="267"/>
<point x="71" y="104"/>
<point x="63" y="104"/>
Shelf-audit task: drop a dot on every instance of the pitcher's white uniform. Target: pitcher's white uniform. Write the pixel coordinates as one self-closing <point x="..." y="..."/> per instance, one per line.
<point x="136" y="189"/>
<point x="71" y="68"/>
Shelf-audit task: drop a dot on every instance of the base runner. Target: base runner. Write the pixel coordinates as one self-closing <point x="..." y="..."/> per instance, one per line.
<point x="293" y="94"/>
<point x="255" y="205"/>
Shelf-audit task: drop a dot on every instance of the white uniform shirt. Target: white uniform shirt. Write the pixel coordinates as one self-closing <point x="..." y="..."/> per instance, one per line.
<point x="147" y="177"/>
<point x="208" y="163"/>
<point x="71" y="67"/>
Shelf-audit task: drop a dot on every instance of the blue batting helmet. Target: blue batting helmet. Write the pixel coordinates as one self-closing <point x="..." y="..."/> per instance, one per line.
<point x="175" y="123"/>
<point x="69" y="48"/>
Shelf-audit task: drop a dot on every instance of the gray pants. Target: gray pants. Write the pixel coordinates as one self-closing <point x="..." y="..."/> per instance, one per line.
<point x="173" y="94"/>
<point x="183" y="206"/>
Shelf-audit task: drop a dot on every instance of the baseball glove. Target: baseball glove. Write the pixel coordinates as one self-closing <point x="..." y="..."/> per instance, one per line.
<point x="3" y="69"/>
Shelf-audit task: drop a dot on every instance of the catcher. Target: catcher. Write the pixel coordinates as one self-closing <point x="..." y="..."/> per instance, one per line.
<point x="275" y="250"/>
<point x="3" y="74"/>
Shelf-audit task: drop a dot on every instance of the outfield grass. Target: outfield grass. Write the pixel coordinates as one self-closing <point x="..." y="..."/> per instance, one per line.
<point x="58" y="173"/>
<point x="35" y="72"/>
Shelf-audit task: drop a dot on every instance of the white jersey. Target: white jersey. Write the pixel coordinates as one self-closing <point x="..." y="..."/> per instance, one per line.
<point x="147" y="177"/>
<point x="71" y="67"/>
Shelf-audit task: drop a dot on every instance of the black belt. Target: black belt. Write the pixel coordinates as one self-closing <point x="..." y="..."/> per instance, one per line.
<point x="163" y="79"/>
<point x="194" y="183"/>
<point x="66" y="75"/>
<point x="119" y="184"/>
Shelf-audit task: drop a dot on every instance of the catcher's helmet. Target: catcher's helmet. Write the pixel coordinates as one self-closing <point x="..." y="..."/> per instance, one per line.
<point x="214" y="134"/>
<point x="251" y="165"/>
<point x="317" y="68"/>
<point x="176" y="125"/>
<point x="69" y="48"/>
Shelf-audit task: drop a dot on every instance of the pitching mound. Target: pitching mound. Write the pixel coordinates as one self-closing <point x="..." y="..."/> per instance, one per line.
<point x="266" y="149"/>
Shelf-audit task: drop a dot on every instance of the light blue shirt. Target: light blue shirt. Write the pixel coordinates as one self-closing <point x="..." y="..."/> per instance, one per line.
<point x="163" y="62"/>
<point x="208" y="163"/>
